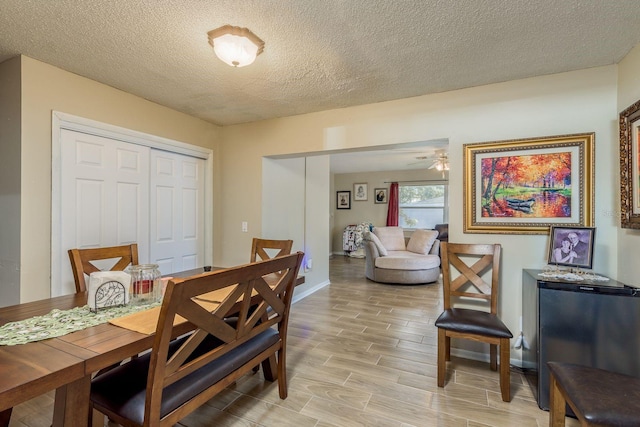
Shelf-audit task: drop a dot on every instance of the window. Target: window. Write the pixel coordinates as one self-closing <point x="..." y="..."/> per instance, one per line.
<point x="423" y="205"/>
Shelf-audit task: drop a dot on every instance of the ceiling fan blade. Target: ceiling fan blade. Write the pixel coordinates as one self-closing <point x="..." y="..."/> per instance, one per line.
<point x="419" y="161"/>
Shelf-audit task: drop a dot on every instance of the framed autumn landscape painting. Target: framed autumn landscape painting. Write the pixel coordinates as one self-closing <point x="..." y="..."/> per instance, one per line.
<point x="526" y="186"/>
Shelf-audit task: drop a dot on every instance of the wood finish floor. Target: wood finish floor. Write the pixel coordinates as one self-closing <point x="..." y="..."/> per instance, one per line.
<point x="359" y="354"/>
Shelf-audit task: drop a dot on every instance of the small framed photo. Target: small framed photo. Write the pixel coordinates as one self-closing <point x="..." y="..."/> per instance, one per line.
<point x="572" y="246"/>
<point x="380" y="195"/>
<point x="343" y="200"/>
<point x="360" y="192"/>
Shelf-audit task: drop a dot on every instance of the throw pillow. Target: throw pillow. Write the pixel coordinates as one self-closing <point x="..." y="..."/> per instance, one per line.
<point x="392" y="238"/>
<point x="421" y="241"/>
<point x="372" y="237"/>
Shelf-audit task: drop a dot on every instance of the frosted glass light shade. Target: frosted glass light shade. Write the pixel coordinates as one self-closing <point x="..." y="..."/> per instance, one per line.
<point x="442" y="165"/>
<point x="235" y="46"/>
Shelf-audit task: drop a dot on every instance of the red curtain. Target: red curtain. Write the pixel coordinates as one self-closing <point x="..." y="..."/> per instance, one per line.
<point x="392" y="213"/>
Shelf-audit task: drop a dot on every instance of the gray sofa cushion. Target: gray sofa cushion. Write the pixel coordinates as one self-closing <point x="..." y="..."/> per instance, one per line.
<point x="373" y="238"/>
<point x="421" y="241"/>
<point x="392" y="238"/>
<point x="405" y="260"/>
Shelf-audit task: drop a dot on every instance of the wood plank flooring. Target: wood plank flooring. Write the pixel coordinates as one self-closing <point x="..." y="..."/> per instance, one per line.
<point x="359" y="354"/>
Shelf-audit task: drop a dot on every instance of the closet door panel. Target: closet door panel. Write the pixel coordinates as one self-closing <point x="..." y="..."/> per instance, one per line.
<point x="177" y="219"/>
<point x="104" y="193"/>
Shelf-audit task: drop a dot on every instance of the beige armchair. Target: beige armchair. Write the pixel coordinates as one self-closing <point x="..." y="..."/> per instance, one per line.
<point x="390" y="260"/>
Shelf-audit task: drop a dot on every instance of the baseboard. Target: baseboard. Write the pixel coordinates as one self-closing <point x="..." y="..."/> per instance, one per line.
<point x="480" y="357"/>
<point x="298" y="296"/>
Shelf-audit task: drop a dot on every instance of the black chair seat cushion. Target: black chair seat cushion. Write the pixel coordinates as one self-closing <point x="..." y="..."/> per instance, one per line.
<point x="473" y="322"/>
<point x="122" y="390"/>
<point x="604" y="398"/>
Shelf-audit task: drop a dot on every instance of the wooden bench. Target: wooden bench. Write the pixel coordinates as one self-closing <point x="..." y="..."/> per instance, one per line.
<point x="596" y="396"/>
<point x="177" y="376"/>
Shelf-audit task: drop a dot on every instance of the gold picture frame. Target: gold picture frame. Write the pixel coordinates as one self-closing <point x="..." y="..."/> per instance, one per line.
<point x="630" y="167"/>
<point x="525" y="186"/>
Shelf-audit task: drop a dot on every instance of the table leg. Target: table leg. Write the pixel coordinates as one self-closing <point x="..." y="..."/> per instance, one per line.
<point x="71" y="406"/>
<point x="5" y="417"/>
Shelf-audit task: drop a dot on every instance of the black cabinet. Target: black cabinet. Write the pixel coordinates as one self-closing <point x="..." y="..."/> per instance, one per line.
<point x="588" y="323"/>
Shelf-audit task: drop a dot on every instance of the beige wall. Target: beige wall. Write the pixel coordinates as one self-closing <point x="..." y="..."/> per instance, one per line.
<point x="580" y="101"/>
<point x="628" y="239"/>
<point x="46" y="88"/>
<point x="10" y="182"/>
<point x="575" y="102"/>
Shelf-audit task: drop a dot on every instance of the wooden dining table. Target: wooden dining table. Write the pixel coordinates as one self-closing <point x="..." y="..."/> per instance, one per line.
<point x="66" y="363"/>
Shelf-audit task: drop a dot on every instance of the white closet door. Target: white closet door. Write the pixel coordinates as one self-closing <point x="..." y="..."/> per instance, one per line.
<point x="177" y="211"/>
<point x="104" y="197"/>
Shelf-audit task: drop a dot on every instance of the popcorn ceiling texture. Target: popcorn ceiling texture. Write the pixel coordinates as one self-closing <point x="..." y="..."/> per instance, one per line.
<point x="319" y="54"/>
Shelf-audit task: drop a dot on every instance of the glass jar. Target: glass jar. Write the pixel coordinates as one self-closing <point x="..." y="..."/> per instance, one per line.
<point x="145" y="284"/>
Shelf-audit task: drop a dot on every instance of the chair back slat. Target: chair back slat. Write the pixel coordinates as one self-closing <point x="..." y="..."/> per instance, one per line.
<point x="259" y="294"/>
<point x="470" y="262"/>
<point x="259" y="248"/>
<point x="82" y="261"/>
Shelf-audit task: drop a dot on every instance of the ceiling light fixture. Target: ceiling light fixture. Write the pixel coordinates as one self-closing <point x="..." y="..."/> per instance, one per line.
<point x="235" y="45"/>
<point x="442" y="165"/>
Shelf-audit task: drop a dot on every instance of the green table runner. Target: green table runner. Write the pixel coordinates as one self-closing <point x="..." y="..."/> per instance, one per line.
<point x="61" y="322"/>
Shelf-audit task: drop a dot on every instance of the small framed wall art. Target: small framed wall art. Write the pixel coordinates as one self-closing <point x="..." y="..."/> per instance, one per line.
<point x="572" y="246"/>
<point x="380" y="195"/>
<point x="360" y="192"/>
<point x="343" y="200"/>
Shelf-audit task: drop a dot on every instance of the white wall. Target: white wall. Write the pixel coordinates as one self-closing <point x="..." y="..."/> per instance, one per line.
<point x="628" y="239"/>
<point x="294" y="206"/>
<point x="575" y="102"/>
<point x="283" y="198"/>
<point x="316" y="215"/>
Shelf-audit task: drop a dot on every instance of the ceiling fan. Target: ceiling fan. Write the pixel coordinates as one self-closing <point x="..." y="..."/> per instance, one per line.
<point x="439" y="162"/>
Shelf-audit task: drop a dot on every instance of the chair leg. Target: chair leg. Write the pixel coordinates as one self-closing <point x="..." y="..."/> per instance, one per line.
<point x="5" y="417"/>
<point x="493" y="356"/>
<point x="447" y="348"/>
<point x="557" y="405"/>
<point x="505" y="372"/>
<point x="443" y="340"/>
<point x="282" y="374"/>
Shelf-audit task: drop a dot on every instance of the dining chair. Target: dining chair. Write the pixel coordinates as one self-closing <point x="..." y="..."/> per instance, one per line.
<point x="81" y="264"/>
<point x="262" y="248"/>
<point x="464" y="267"/>
<point x="597" y="397"/>
<point x="240" y="319"/>
<point x="81" y="261"/>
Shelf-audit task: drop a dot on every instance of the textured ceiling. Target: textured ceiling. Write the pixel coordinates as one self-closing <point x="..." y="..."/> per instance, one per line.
<point x="319" y="54"/>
